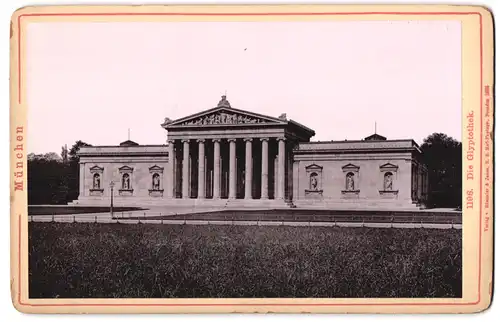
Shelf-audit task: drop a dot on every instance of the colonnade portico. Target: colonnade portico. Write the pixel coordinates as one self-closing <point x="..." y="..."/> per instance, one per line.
<point x="226" y="157"/>
<point x="225" y="164"/>
<point x="224" y="153"/>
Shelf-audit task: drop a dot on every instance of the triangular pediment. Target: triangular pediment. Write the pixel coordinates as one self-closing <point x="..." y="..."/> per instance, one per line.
<point x="223" y="116"/>
<point x="96" y="168"/>
<point x="125" y="168"/>
<point x="350" y="166"/>
<point x="314" y="167"/>
<point x="155" y="168"/>
<point x="388" y="166"/>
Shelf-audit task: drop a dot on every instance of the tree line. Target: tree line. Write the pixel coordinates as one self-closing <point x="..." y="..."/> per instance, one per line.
<point x="54" y="178"/>
<point x="443" y="156"/>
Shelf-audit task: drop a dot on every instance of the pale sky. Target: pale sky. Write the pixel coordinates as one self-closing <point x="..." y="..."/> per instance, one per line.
<point x="94" y="81"/>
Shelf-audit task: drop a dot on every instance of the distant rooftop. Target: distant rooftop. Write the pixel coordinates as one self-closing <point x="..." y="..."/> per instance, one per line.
<point x="375" y="137"/>
<point x="129" y="143"/>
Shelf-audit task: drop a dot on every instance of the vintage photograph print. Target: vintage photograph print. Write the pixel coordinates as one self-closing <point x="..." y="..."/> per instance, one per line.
<point x="251" y="159"/>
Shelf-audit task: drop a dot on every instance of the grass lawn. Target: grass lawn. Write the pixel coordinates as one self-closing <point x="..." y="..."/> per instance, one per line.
<point x="66" y="210"/>
<point x="184" y="261"/>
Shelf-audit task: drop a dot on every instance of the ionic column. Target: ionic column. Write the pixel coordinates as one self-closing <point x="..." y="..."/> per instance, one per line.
<point x="281" y="168"/>
<point x="264" y="190"/>
<point x="275" y="176"/>
<point x="248" y="168"/>
<point x="232" y="168"/>
<point x="185" y="169"/>
<point x="170" y="169"/>
<point x="295" y="178"/>
<point x="201" y="169"/>
<point x="216" y="169"/>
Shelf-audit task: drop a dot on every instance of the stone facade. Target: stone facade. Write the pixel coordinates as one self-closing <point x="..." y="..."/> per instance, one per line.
<point x="225" y="156"/>
<point x="361" y="173"/>
<point x="133" y="169"/>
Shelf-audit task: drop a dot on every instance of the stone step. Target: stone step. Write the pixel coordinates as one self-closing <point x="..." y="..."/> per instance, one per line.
<point x="256" y="203"/>
<point x="358" y="205"/>
<point x="248" y="203"/>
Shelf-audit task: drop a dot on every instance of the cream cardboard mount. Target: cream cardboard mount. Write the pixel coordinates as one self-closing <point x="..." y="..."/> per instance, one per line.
<point x="228" y="158"/>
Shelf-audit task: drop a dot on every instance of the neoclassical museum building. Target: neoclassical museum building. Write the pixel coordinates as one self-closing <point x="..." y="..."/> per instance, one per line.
<point x="233" y="158"/>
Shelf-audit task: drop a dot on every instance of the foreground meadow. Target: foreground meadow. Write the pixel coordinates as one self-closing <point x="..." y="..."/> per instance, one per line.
<point x="185" y="261"/>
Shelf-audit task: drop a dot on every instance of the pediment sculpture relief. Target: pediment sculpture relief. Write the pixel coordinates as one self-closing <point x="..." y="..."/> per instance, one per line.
<point x="224" y="118"/>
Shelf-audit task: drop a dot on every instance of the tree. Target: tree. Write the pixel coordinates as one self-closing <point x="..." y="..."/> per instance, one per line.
<point x="53" y="179"/>
<point x="46" y="179"/>
<point x="73" y="173"/>
<point x="64" y="153"/>
<point x="73" y="152"/>
<point x="443" y="156"/>
<point x="46" y="156"/>
<point x="52" y="156"/>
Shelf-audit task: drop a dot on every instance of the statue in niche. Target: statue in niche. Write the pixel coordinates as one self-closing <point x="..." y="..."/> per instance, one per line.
<point x="126" y="182"/>
<point x="156" y="182"/>
<point x="97" y="181"/>
<point x="388" y="181"/>
<point x="350" y="182"/>
<point x="314" y="182"/>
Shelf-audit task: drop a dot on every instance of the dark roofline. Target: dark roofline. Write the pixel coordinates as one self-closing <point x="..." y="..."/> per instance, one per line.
<point x="308" y="129"/>
<point x="124" y="146"/>
<point x="414" y="144"/>
<point x="361" y="151"/>
<point x="361" y="141"/>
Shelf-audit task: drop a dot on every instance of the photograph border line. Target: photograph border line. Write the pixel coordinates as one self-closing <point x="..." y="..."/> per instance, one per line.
<point x="264" y="14"/>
